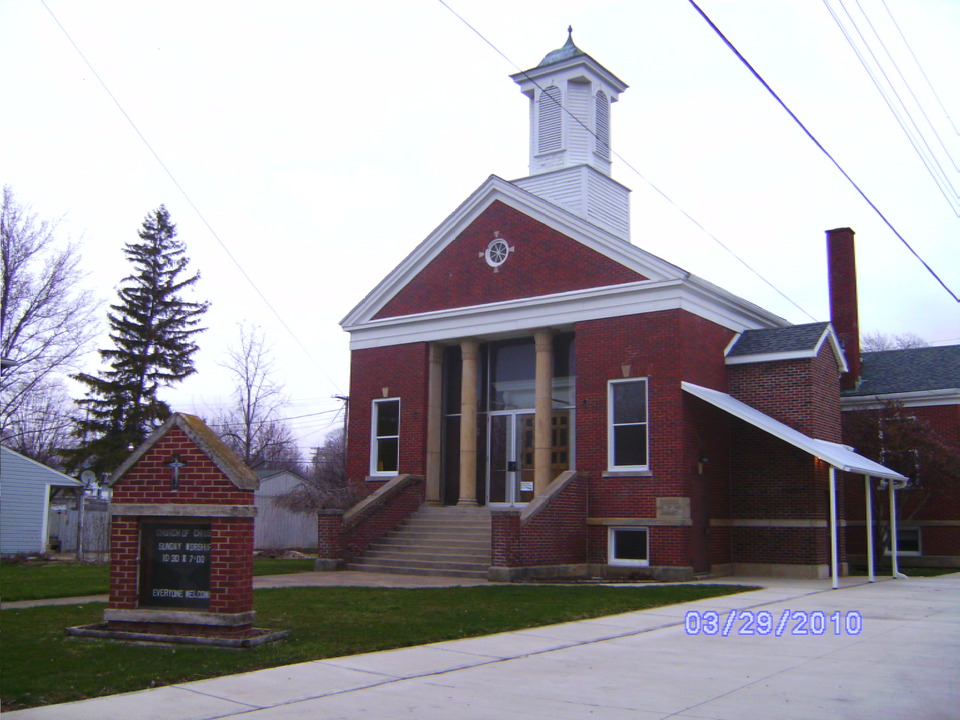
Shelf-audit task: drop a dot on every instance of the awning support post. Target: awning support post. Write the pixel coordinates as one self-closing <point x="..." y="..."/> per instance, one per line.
<point x="835" y="571"/>
<point x="869" y="504"/>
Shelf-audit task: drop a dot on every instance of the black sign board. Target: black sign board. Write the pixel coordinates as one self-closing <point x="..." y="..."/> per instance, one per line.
<point x="175" y="565"/>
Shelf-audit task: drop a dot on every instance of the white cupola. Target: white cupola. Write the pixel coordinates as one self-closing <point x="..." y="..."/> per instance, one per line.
<point x="570" y="97"/>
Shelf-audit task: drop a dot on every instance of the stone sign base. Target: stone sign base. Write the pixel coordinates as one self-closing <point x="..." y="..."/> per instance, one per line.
<point x="179" y="634"/>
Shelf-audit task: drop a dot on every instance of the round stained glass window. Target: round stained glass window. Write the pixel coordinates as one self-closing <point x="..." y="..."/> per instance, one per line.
<point x="497" y="252"/>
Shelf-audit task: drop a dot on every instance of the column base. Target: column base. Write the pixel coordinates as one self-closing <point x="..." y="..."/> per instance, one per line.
<point x="468" y="503"/>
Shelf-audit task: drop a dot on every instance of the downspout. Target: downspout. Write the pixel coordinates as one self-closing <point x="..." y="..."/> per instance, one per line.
<point x="869" y="503"/>
<point x="834" y="570"/>
<point x="895" y="563"/>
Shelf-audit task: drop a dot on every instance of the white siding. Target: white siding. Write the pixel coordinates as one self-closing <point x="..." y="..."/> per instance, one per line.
<point x="24" y="502"/>
<point x="586" y="193"/>
<point x="579" y="126"/>
<point x="276" y="527"/>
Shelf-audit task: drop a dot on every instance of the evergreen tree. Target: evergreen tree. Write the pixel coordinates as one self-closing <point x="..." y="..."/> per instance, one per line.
<point x="152" y="328"/>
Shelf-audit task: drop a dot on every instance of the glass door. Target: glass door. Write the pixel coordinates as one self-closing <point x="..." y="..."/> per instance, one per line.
<point x="510" y="480"/>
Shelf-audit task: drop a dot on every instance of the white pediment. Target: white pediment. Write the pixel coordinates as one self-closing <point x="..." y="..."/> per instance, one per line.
<point x="497" y="189"/>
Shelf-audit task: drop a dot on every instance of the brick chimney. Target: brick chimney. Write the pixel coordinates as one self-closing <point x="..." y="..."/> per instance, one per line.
<point x="844" y="315"/>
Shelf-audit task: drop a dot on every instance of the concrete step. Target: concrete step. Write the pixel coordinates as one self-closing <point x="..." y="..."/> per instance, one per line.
<point x="444" y="541"/>
<point x="425" y="554"/>
<point x="428" y="564"/>
<point x="404" y="570"/>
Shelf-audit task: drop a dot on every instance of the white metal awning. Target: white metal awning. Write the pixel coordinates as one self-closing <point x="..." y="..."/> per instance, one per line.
<point x="842" y="457"/>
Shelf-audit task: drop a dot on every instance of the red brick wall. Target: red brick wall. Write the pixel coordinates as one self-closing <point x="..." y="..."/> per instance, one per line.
<point x="544" y="262"/>
<point x="556" y="535"/>
<point x="930" y="502"/>
<point x="804" y="393"/>
<point x="665" y="347"/>
<point x="402" y="369"/>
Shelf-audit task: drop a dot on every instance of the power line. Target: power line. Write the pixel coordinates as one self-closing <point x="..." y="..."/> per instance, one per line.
<point x="186" y="196"/>
<point x="821" y="147"/>
<point x="920" y="67"/>
<point x="898" y="108"/>
<point x="629" y="165"/>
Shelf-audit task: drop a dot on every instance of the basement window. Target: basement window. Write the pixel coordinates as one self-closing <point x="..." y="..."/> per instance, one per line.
<point x="385" y="443"/>
<point x="628" y="546"/>
<point x="908" y="541"/>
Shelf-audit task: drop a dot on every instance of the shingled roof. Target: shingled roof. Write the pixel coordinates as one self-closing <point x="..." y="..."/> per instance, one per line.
<point x="212" y="446"/>
<point x="911" y="370"/>
<point x="784" y="343"/>
<point x="766" y="341"/>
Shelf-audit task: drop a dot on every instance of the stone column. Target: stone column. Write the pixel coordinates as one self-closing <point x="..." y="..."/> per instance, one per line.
<point x="470" y="350"/>
<point x="543" y="404"/>
<point x="434" y="420"/>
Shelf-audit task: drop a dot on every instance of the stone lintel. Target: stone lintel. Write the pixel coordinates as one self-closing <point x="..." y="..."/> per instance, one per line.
<point x="765" y="523"/>
<point x="181" y="510"/>
<point x="641" y="522"/>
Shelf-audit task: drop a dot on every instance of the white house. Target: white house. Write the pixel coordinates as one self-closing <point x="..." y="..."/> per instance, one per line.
<point x="25" y="490"/>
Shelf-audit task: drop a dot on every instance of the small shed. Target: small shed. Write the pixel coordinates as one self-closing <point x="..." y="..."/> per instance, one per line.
<point x="26" y="487"/>
<point x="278" y="526"/>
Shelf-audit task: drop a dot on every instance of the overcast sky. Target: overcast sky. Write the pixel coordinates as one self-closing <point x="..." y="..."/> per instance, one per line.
<point x="322" y="141"/>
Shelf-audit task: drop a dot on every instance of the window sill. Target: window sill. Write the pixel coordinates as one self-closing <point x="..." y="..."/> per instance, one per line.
<point x="380" y="478"/>
<point x="627" y="473"/>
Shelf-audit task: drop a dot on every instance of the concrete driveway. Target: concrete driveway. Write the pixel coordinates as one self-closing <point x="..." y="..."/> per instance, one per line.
<point x="885" y="650"/>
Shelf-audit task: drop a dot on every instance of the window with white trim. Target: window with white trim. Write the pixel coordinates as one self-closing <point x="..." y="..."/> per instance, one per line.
<point x="385" y="443"/>
<point x="627" y="428"/>
<point x="628" y="546"/>
<point x="908" y="541"/>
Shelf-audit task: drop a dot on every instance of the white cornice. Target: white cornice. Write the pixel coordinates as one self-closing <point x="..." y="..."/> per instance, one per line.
<point x="562" y="310"/>
<point x="919" y="398"/>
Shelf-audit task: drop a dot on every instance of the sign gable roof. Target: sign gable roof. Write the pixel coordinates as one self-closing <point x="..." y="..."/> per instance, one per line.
<point x="209" y="443"/>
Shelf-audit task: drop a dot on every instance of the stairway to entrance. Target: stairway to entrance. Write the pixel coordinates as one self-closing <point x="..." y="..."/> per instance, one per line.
<point x="444" y="541"/>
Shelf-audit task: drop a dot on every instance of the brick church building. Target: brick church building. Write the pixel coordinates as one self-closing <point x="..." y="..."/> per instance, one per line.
<point x="600" y="410"/>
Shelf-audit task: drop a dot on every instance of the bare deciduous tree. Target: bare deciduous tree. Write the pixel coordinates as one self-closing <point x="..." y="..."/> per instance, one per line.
<point x="40" y="427"/>
<point x="325" y="485"/>
<point x="251" y="426"/>
<point x="876" y="341"/>
<point x="47" y="320"/>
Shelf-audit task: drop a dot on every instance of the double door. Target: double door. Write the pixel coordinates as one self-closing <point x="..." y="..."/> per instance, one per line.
<point x="511" y="451"/>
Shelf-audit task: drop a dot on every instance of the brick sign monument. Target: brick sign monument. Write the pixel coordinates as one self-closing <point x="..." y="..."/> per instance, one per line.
<point x="181" y="542"/>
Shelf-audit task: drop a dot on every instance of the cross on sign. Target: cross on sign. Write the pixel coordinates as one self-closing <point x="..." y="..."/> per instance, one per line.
<point x="175" y="464"/>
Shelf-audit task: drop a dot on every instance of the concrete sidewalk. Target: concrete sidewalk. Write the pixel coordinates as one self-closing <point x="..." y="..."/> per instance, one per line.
<point x="902" y="661"/>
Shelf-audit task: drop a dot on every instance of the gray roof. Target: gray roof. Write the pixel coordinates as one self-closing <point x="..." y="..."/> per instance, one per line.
<point x="796" y="338"/>
<point x="568" y="50"/>
<point x="910" y="370"/>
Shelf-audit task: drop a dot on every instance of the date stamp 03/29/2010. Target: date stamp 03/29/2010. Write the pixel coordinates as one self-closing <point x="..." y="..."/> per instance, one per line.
<point x="764" y="622"/>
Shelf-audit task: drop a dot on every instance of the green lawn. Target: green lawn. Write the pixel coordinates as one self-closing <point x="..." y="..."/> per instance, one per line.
<point x="39" y="580"/>
<point x="41" y="665"/>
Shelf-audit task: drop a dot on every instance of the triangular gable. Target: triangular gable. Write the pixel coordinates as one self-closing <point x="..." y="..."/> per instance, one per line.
<point x="633" y="263"/>
<point x="16" y="464"/>
<point x="206" y="440"/>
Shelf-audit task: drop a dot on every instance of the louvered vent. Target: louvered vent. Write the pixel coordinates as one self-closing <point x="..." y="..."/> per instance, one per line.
<point x="550" y="120"/>
<point x="603" y="125"/>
